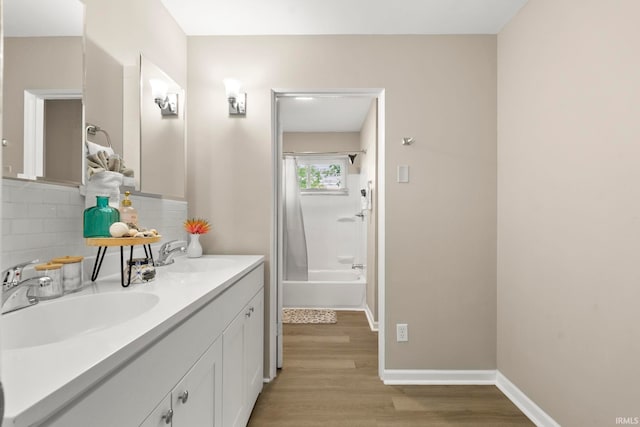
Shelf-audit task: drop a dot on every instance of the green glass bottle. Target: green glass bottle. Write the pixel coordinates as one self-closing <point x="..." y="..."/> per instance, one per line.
<point x="99" y="218"/>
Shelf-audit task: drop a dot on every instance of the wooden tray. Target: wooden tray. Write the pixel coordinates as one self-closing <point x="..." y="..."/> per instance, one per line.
<point x="121" y="241"/>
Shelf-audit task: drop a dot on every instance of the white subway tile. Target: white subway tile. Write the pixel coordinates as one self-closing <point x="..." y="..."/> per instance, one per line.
<point x="69" y="211"/>
<point x="51" y="195"/>
<point x="14" y="210"/>
<point x="75" y="199"/>
<point x="56" y="226"/>
<point x="30" y="195"/>
<point x="45" y="210"/>
<point x="7" y="192"/>
<point x="26" y="226"/>
<point x="7" y="228"/>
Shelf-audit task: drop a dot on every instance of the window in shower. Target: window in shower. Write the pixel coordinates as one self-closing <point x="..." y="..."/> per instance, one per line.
<point x="322" y="175"/>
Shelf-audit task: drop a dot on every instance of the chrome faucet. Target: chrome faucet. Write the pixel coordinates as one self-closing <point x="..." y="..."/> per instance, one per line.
<point x="15" y="292"/>
<point x="357" y="266"/>
<point x="169" y="250"/>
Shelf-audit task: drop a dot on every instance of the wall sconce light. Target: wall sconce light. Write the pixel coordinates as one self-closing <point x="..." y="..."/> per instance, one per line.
<point x="237" y="100"/>
<point x="168" y="102"/>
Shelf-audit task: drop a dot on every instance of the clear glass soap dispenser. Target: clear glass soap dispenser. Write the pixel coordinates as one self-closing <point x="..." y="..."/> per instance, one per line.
<point x="128" y="214"/>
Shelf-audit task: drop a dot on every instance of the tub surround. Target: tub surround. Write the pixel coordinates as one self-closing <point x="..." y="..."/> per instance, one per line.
<point x="40" y="380"/>
<point x="332" y="229"/>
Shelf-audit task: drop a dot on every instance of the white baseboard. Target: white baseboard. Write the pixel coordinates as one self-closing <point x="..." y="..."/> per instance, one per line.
<point x="472" y="377"/>
<point x="438" y="377"/>
<point x="372" y="323"/>
<point x="526" y="405"/>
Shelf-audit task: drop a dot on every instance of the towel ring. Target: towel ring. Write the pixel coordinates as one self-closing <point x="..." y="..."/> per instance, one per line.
<point x="93" y="130"/>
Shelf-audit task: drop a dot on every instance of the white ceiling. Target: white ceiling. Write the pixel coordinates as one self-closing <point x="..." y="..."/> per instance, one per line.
<point x="38" y="18"/>
<point x="261" y="17"/>
<point x="290" y="17"/>
<point x="324" y="113"/>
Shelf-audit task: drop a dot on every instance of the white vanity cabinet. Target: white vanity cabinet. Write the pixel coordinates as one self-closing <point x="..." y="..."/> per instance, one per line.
<point x="186" y="377"/>
<point x="197" y="399"/>
<point x="242" y="380"/>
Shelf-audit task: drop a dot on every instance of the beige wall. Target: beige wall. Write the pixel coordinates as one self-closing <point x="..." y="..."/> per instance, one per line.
<point x="368" y="167"/>
<point x="440" y="228"/>
<point x="34" y="63"/>
<point x="568" y="150"/>
<point x="127" y="29"/>
<point x="63" y="136"/>
<point x="104" y="96"/>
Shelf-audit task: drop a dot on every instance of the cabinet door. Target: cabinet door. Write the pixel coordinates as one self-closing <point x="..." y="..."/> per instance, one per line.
<point x="254" y="348"/>
<point x="161" y="416"/>
<point x="197" y="399"/>
<point x="233" y="379"/>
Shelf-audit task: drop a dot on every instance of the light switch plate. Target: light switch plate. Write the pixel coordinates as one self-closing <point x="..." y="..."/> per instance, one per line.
<point x="403" y="173"/>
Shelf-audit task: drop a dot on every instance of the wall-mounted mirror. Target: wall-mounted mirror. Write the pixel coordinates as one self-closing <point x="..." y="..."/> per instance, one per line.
<point x="42" y="103"/>
<point x="161" y="132"/>
<point x="117" y="32"/>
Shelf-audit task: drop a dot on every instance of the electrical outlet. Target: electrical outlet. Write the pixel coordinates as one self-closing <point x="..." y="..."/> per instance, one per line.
<point x="402" y="332"/>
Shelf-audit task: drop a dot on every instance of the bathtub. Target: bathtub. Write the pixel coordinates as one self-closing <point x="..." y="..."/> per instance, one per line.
<point x="339" y="289"/>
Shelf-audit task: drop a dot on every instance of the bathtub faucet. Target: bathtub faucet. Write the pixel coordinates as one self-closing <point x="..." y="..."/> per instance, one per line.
<point x="357" y="266"/>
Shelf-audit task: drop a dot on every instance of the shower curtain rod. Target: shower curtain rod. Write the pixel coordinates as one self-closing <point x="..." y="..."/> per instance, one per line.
<point x="297" y="153"/>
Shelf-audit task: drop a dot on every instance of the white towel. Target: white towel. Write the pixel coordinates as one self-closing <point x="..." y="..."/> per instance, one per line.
<point x="94" y="148"/>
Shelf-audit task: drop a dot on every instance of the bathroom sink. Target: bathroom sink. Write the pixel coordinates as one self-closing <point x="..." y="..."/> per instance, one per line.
<point x="58" y="320"/>
<point x="200" y="265"/>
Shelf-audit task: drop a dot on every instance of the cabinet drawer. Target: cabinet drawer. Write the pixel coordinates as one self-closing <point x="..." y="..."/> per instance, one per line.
<point x="237" y="296"/>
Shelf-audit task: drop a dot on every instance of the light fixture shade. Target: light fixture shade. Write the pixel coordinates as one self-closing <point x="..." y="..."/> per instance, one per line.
<point x="232" y="87"/>
<point x="236" y="99"/>
<point x="158" y="88"/>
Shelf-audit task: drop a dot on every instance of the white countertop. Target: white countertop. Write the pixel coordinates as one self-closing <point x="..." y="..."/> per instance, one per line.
<point x="39" y="380"/>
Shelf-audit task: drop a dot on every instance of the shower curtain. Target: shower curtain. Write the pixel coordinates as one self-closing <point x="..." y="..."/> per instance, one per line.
<point x="294" y="240"/>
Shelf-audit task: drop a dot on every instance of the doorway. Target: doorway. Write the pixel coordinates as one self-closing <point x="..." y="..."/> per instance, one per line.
<point x="334" y="140"/>
<point x="52" y="134"/>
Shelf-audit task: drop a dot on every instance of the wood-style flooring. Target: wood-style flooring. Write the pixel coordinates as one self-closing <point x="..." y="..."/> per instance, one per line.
<point x="330" y="378"/>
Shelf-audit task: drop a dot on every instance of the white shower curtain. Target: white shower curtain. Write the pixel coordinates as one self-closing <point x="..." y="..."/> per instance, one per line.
<point x="295" y="261"/>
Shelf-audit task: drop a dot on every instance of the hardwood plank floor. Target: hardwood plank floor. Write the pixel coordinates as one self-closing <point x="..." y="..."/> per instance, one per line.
<point x="330" y="378"/>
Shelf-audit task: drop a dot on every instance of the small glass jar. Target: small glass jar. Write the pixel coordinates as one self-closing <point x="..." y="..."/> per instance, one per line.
<point x="71" y="272"/>
<point x="54" y="272"/>
<point x="98" y="219"/>
<point x="142" y="270"/>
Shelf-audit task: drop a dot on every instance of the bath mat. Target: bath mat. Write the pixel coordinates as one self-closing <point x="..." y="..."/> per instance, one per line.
<point x="307" y="315"/>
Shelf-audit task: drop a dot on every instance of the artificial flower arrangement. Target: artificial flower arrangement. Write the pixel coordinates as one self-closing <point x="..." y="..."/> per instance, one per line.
<point x="197" y="226"/>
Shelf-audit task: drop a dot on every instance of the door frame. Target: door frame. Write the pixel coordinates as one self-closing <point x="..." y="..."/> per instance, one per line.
<point x="275" y="276"/>
<point x="33" y="143"/>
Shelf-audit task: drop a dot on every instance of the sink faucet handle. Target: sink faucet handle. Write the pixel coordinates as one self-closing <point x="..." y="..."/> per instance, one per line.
<point x="165" y="246"/>
<point x="11" y="276"/>
<point x="168" y="246"/>
<point x="168" y="250"/>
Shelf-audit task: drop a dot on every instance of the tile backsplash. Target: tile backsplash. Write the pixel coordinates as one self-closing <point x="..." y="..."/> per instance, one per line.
<point x="43" y="221"/>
